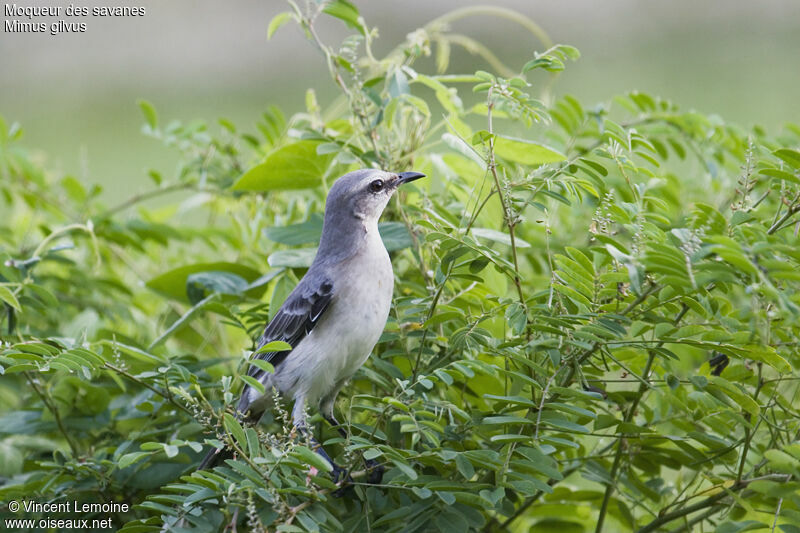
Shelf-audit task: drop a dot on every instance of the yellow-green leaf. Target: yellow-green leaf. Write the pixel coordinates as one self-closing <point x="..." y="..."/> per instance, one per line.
<point x="277" y="21"/>
<point x="293" y="166"/>
<point x="275" y="346"/>
<point x="312" y="459"/>
<point x="526" y="152"/>
<point x="233" y="427"/>
<point x="8" y="297"/>
<point x="767" y="354"/>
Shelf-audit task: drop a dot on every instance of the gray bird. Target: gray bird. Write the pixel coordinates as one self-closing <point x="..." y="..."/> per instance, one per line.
<point x="337" y="312"/>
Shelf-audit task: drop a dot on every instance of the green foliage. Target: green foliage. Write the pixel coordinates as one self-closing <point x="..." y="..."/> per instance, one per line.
<point x="595" y="320"/>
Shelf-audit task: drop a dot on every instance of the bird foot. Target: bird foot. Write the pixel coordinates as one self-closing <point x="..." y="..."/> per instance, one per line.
<point x="340" y="475"/>
<point x="342" y="478"/>
<point x="375" y="471"/>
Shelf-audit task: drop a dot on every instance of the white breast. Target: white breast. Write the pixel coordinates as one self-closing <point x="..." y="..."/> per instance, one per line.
<point x="345" y="336"/>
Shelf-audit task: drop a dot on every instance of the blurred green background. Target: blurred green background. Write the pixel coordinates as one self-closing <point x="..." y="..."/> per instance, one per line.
<point x="75" y="94"/>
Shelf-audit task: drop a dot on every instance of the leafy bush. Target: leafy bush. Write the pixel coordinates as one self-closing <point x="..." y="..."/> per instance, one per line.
<point x="595" y="321"/>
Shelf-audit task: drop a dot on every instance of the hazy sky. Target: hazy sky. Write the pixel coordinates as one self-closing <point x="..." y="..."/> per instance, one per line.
<point x="75" y="93"/>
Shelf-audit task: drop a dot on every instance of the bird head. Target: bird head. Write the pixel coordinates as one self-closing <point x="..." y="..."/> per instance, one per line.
<point x="364" y="193"/>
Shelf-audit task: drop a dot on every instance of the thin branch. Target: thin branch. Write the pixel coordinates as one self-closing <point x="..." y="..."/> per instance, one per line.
<point x="503" y="201"/>
<point x="795" y="207"/>
<point x="689" y="509"/>
<point x="135" y="199"/>
<point x="56" y="234"/>
<point x="777" y="514"/>
<point x="166" y="395"/>
<point x="54" y="410"/>
<point x="643" y="387"/>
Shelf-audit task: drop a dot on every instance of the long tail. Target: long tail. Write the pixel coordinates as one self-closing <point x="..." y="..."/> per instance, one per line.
<point x="214" y="457"/>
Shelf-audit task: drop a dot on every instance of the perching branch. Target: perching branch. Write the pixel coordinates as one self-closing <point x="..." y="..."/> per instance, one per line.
<point x="503" y="201"/>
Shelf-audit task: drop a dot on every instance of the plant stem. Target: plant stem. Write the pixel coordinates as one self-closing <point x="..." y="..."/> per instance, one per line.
<point x="644" y="385"/>
<point x="794" y="208"/>
<point x="51" y="406"/>
<point x="618" y="456"/>
<point x="748" y="434"/>
<point x="56" y="234"/>
<point x="166" y="395"/>
<point x="777" y="513"/>
<point x="522" y="508"/>
<point x="182" y="320"/>
<point x="689" y="509"/>
<point x="593" y="348"/>
<point x="434" y="303"/>
<point x="135" y="199"/>
<point x="696" y="520"/>
<point x="504" y="202"/>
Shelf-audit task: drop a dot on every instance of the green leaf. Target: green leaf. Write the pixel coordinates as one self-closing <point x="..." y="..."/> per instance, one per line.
<point x="170" y="450"/>
<point x="149" y="113"/>
<point x="464" y="467"/>
<point x="780" y="174"/>
<point x="8" y="297"/>
<point x="275" y="346"/>
<point x="308" y="232"/>
<point x="200" y="284"/>
<point x="462" y="147"/>
<point x="263" y="365"/>
<point x="526" y="152"/>
<point x="499" y="236"/>
<point x="295" y="258"/>
<point x="791" y="157"/>
<point x="293" y="166"/>
<point x="767" y="354"/>
<point x="254" y="445"/>
<point x="277" y="21"/>
<point x="11" y="459"/>
<point x="184" y="319"/>
<point x="406" y="469"/>
<point x="131" y="458"/>
<point x="397" y="84"/>
<point x="233" y="427"/>
<point x="173" y="283"/>
<point x="740" y="398"/>
<point x="540" y="462"/>
<point x="343" y="10"/>
<point x="782" y="462"/>
<point x="507" y="419"/>
<point x="395" y="236"/>
<point x="254" y="383"/>
<point x="447" y="497"/>
<point x="737" y="527"/>
<point x="635" y="271"/>
<point x="132" y="351"/>
<point x="562" y="423"/>
<point x="311" y="458"/>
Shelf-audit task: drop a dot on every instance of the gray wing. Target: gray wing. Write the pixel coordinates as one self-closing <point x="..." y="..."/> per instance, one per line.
<point x="294" y="320"/>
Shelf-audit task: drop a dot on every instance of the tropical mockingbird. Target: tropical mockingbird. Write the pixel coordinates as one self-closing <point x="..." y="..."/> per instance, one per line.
<point x="335" y="315"/>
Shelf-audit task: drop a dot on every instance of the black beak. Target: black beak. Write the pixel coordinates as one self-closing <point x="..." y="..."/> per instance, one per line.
<point x="406" y="177"/>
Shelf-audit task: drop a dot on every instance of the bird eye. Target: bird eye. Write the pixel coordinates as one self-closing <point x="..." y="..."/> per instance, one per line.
<point x="376" y="186"/>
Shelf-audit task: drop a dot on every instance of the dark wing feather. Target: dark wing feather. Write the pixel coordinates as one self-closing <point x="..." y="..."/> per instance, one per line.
<point x="294" y="320"/>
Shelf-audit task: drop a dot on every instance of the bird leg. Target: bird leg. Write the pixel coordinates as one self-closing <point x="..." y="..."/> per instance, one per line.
<point x="374" y="469"/>
<point x="301" y="424"/>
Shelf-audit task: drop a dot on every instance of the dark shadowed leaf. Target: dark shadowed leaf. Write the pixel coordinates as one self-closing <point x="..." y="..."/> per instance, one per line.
<point x="201" y="284"/>
<point x="307" y="232"/>
<point x="174" y="282"/>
